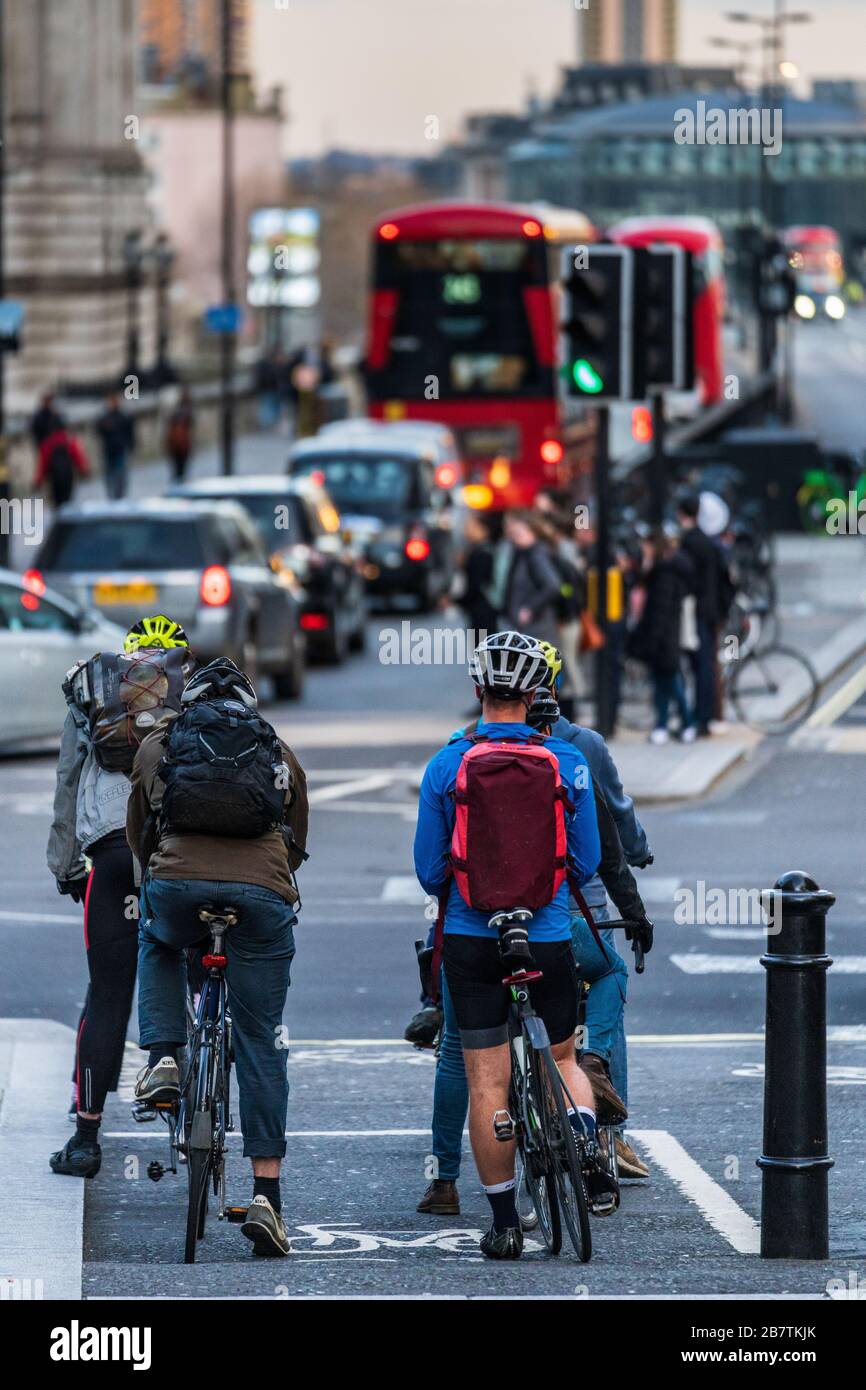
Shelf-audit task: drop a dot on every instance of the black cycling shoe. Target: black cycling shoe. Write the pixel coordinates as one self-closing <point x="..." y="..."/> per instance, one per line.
<point x="425" y="1027"/>
<point x="602" y="1190"/>
<point x="77" y="1160"/>
<point x="503" y="1245"/>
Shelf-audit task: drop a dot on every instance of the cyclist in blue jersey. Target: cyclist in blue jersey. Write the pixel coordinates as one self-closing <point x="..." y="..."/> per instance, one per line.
<point x="507" y="669"/>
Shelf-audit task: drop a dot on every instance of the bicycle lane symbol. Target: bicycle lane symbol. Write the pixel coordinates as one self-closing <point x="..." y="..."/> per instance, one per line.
<point x="343" y="1238"/>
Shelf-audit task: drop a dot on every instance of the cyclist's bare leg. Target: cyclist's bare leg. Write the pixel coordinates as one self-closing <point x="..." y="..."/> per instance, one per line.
<point x="266" y="1167"/>
<point x="488" y="1071"/>
<point x="576" y="1080"/>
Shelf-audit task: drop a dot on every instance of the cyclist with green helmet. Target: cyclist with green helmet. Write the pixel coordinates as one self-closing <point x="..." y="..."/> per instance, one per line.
<point x="90" y="859"/>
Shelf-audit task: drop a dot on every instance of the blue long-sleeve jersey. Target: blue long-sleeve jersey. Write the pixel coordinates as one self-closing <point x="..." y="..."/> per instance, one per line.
<point x="436" y="814"/>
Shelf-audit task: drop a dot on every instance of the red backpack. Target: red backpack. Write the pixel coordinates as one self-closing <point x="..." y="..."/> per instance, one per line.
<point x="508" y="848"/>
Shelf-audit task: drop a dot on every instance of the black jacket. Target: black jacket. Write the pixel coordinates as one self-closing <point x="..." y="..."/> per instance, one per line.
<point x="708" y="573"/>
<point x="614" y="872"/>
<point x="656" y="639"/>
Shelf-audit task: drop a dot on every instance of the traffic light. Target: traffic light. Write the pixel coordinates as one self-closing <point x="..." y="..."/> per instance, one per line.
<point x="642" y="424"/>
<point x="664" y="316"/>
<point x="597" y="324"/>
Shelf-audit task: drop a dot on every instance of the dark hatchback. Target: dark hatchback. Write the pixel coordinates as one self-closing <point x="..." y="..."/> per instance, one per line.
<point x="302" y="534"/>
<point x="390" y="502"/>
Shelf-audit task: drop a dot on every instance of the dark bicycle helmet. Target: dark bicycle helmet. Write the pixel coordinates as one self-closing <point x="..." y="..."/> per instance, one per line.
<point x="509" y="665"/>
<point x="544" y="710"/>
<point x="220" y="680"/>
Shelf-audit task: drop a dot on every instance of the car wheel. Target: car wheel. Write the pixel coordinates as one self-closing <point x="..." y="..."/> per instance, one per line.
<point x="249" y="657"/>
<point x="289" y="684"/>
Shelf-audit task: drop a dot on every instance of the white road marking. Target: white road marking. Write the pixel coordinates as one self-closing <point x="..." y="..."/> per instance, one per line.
<point x="657" y="890"/>
<point x="402" y="888"/>
<point x="336" y="790"/>
<point x="836" y="1076"/>
<point x="841" y="700"/>
<point x="699" y="964"/>
<point x="721" y="1211"/>
<point x="735" y="933"/>
<point x="65" y="918"/>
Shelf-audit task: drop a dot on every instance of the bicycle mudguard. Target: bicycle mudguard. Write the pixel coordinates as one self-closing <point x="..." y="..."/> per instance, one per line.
<point x="536" y="1031"/>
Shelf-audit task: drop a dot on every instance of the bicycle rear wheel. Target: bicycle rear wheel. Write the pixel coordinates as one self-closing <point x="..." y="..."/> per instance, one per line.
<point x="198" y="1170"/>
<point x="774" y="689"/>
<point x="570" y="1189"/>
<point x="537" y="1162"/>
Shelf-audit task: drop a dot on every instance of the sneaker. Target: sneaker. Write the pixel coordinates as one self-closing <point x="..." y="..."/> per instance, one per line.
<point x="424" y="1028"/>
<point x="689" y="735"/>
<point x="608" y="1105"/>
<point x="264" y="1227"/>
<point x="441" y="1198"/>
<point x="659" y="736"/>
<point x="77" y="1160"/>
<point x="628" y="1162"/>
<point x="503" y="1245"/>
<point x="161" y="1082"/>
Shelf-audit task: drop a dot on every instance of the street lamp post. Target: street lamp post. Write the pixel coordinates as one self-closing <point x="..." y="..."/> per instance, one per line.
<point x="163" y="254"/>
<point x="228" y="340"/>
<point x="4" y="462"/>
<point x="133" y="259"/>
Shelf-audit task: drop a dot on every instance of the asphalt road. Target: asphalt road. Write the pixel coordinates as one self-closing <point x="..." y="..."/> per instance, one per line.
<point x="359" y="1111"/>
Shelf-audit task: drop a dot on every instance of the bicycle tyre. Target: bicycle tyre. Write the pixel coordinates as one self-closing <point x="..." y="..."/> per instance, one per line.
<point x="540" y="1185"/>
<point x="764" y="665"/>
<point x="198" y="1171"/>
<point x="571" y="1192"/>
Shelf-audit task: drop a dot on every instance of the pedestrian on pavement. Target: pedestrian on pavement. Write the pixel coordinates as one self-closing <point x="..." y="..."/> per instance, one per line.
<point x="117" y="435"/>
<point x="556" y="522"/>
<point x="61" y="458"/>
<point x="216" y="854"/>
<point x="46" y="420"/>
<point x="89" y="824"/>
<point x="708" y="586"/>
<point x="665" y="580"/>
<point x="533" y="583"/>
<point x="179" y="435"/>
<point x="473" y="587"/>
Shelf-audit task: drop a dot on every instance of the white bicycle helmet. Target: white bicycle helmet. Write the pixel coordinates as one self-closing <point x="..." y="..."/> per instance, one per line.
<point x="509" y="665"/>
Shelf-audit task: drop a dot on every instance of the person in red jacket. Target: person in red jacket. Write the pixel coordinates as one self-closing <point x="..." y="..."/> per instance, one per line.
<point x="60" y="458"/>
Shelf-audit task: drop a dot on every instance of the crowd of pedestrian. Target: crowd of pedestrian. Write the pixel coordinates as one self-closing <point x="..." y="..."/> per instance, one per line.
<point x="532" y="575"/>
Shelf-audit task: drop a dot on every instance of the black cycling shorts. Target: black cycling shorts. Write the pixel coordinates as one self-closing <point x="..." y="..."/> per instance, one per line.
<point x="474" y="971"/>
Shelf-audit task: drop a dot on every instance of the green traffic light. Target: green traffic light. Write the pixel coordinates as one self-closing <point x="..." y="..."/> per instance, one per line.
<point x="586" y="377"/>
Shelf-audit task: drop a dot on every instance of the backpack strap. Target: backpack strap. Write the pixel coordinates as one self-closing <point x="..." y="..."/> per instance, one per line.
<point x="586" y="914"/>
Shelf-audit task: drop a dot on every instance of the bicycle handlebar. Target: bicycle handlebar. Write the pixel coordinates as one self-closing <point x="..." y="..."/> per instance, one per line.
<point x="639" y="955"/>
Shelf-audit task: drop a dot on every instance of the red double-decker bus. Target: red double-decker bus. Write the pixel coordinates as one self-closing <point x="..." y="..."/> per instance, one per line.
<point x="703" y="238"/>
<point x="463" y="329"/>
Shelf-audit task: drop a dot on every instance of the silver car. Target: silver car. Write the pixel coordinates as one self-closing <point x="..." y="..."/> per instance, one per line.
<point x="42" y="635"/>
<point x="202" y="563"/>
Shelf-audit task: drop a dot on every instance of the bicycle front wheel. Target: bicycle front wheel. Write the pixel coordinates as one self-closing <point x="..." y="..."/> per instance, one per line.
<point x="774" y="689"/>
<point x="570" y="1189"/>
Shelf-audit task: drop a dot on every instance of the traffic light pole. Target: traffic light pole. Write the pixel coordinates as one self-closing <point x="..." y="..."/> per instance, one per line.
<point x="228" y="341"/>
<point x="658" y="464"/>
<point x="4" y="459"/>
<point x="603" y="702"/>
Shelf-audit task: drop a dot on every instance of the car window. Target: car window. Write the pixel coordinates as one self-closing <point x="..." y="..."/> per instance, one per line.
<point x="372" y="484"/>
<point x="26" y="612"/>
<point x="122" y="543"/>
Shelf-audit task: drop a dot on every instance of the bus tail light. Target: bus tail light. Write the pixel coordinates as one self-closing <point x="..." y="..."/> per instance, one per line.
<point x="532" y="228"/>
<point x="551" y="451"/>
<point x="478" y="496"/>
<point x="500" y="473"/>
<point x="216" y="586"/>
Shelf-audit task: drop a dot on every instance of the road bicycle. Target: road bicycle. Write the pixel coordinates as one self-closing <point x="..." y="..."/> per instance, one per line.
<point x="200" y="1119"/>
<point x="552" y="1155"/>
<point x="772" y="688"/>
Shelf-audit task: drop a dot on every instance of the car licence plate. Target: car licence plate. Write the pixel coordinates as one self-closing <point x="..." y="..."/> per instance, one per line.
<point x="136" y="591"/>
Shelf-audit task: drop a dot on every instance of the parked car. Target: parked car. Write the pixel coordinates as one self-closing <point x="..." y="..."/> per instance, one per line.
<point x="386" y="492"/>
<point x="201" y="562"/>
<point x="301" y="531"/>
<point x="42" y="635"/>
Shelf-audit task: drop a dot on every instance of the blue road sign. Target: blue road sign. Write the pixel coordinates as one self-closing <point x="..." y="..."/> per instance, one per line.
<point x="11" y="319"/>
<point x="223" y="318"/>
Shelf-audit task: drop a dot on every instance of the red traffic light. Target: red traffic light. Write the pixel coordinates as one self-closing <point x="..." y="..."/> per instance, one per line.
<point x="642" y="424"/>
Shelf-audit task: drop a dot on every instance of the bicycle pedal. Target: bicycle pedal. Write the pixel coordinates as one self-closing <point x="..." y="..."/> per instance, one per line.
<point x="503" y="1126"/>
<point x="143" y="1114"/>
<point x="155" y="1171"/>
<point x="236" y="1214"/>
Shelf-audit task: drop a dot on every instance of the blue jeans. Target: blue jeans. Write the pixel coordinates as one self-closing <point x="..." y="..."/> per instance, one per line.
<point x="605" y="1004"/>
<point x="668" y="686"/>
<point x="450" y="1095"/>
<point x="259" y="950"/>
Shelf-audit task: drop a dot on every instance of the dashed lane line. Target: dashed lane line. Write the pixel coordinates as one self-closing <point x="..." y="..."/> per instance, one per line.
<point x="699" y="963"/>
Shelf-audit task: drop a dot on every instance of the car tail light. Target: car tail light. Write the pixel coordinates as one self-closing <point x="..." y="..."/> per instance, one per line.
<point x="417" y="548"/>
<point x="551" y="451"/>
<point x="216" y="586"/>
<point x="315" y="622"/>
<point x="33" y="580"/>
<point x="531" y="227"/>
<point x="389" y="231"/>
<point x="446" y="475"/>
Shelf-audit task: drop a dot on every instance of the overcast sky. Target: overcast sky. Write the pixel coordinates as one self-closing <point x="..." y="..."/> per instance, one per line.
<point x="366" y="74"/>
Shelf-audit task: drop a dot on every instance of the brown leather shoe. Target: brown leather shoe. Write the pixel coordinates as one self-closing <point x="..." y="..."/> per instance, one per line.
<point x="440" y="1199"/>
<point x="609" y="1108"/>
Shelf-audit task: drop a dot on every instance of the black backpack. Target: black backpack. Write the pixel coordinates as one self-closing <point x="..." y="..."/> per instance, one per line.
<point x="61" y="469"/>
<point x="223" y="771"/>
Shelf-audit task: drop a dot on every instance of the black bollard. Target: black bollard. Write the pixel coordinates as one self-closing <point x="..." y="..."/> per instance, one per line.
<point x="794" y="1164"/>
